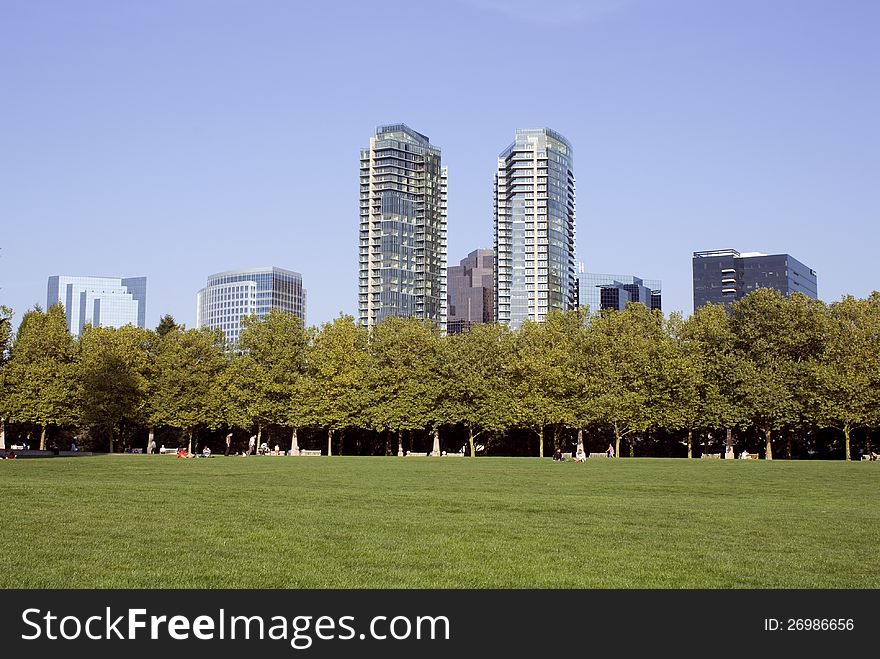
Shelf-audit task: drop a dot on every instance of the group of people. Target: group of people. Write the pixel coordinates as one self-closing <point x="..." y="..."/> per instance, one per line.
<point x="581" y="456"/>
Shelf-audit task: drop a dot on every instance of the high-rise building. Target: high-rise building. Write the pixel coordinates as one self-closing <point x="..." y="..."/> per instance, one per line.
<point x="233" y="295"/>
<point x="402" y="228"/>
<point x="471" y="291"/>
<point x="535" y="269"/>
<point x="99" y="301"/>
<point x="722" y="276"/>
<point x="599" y="291"/>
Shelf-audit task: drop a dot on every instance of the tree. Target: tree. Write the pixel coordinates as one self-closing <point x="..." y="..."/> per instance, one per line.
<point x="338" y="364"/>
<point x="543" y="375"/>
<point x="626" y="364"/>
<point x="704" y="394"/>
<point x="166" y="325"/>
<point x="404" y="385"/>
<point x="266" y="382"/>
<point x="183" y="389"/>
<point x="39" y="379"/>
<point x="476" y="392"/>
<point x="776" y="339"/>
<point x="846" y="380"/>
<point x="112" y="371"/>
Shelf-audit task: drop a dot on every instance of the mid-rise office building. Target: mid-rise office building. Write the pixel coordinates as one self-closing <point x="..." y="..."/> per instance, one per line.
<point x="535" y="268"/>
<point x="99" y="301"/>
<point x="722" y="276"/>
<point x="236" y="294"/>
<point x="471" y="291"/>
<point x="600" y="291"/>
<point x="402" y="228"/>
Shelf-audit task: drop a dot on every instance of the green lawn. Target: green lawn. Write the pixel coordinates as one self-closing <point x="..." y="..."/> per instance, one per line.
<point x="266" y="522"/>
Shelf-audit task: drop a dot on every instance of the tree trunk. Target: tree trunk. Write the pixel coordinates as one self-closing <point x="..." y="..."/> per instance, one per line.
<point x="471" y="441"/>
<point x="690" y="443"/>
<point x="788" y="446"/>
<point x="341" y="441"/>
<point x="768" y="434"/>
<point x="190" y="451"/>
<point x="729" y="441"/>
<point x="2" y="434"/>
<point x="43" y="440"/>
<point x="632" y="446"/>
<point x="556" y="438"/>
<point x="846" y="432"/>
<point x="580" y="445"/>
<point x="294" y="443"/>
<point x="706" y="444"/>
<point x="541" y="442"/>
<point x="616" y="442"/>
<point x="329" y="442"/>
<point x="259" y="438"/>
<point x="400" y="442"/>
<point x="150" y="437"/>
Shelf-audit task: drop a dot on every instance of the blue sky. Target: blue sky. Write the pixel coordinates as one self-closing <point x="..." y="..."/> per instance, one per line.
<point x="177" y="138"/>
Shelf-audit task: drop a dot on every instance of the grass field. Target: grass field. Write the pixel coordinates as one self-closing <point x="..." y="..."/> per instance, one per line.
<point x="262" y="522"/>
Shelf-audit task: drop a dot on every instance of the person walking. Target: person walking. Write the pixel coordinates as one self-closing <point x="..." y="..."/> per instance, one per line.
<point x="252" y="444"/>
<point x="228" y="444"/>
<point x="153" y="449"/>
<point x="610" y="450"/>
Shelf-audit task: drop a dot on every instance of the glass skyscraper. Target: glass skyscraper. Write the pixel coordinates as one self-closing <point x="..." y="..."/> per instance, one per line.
<point x="535" y="269"/>
<point x="600" y="291"/>
<point x="402" y="228"/>
<point x="233" y="295"/>
<point x="724" y="275"/>
<point x="99" y="301"/>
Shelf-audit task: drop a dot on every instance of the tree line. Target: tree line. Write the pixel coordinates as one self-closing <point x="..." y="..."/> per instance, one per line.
<point x="796" y="375"/>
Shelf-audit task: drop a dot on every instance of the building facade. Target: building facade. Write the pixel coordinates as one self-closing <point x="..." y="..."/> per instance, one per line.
<point x="402" y="228"/>
<point x="236" y="294"/>
<point x="535" y="269"/>
<point x="600" y="291"/>
<point x="99" y="301"/>
<point x="471" y="291"/>
<point x="723" y="276"/>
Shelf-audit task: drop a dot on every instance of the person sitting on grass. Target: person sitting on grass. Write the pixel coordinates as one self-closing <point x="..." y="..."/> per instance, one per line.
<point x="206" y="452"/>
<point x="581" y="456"/>
<point x="181" y="453"/>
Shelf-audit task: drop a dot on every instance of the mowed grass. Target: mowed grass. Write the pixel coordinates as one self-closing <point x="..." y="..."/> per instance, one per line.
<point x="266" y="522"/>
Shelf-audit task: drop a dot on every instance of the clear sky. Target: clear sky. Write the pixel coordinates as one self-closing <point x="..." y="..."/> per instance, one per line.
<point x="178" y="138"/>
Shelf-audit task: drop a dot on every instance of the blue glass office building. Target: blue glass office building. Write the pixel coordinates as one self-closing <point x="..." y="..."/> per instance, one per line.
<point x="601" y="291"/>
<point x="535" y="269"/>
<point x="233" y="295"/>
<point x="99" y="301"/>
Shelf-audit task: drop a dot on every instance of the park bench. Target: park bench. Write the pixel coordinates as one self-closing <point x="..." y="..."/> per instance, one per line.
<point x="598" y="455"/>
<point x="711" y="456"/>
<point x="566" y="456"/>
<point x="309" y="453"/>
<point x="752" y="456"/>
<point x="168" y="451"/>
<point x="453" y="455"/>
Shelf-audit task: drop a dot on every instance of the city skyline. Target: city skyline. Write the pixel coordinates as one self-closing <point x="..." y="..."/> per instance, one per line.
<point x="695" y="127"/>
